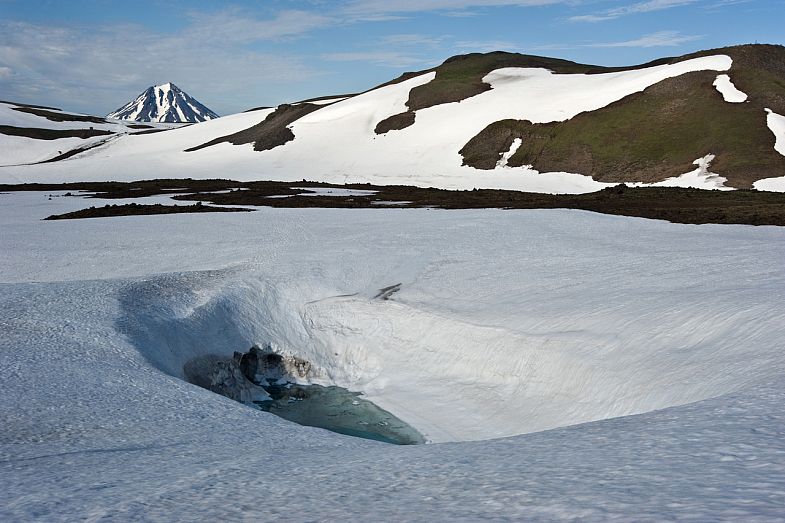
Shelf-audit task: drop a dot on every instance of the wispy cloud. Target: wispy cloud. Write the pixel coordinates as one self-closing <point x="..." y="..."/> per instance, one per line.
<point x="238" y="26"/>
<point x="640" y="7"/>
<point x="659" y="39"/>
<point x="393" y="59"/>
<point x="417" y="40"/>
<point x="450" y="7"/>
<point x="552" y="47"/>
<point x="486" y="46"/>
<point x="463" y="13"/>
<point x="722" y="4"/>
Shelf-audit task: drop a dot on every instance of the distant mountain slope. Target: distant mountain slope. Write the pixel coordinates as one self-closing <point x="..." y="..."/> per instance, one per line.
<point x="164" y="103"/>
<point x="31" y="134"/>
<point x="712" y="119"/>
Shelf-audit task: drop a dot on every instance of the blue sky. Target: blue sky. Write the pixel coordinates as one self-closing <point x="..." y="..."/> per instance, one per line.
<point x="94" y="55"/>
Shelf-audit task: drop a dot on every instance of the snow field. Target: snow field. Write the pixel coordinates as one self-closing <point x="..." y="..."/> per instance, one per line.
<point x="18" y="150"/>
<point x="505" y="321"/>
<point x="545" y="337"/>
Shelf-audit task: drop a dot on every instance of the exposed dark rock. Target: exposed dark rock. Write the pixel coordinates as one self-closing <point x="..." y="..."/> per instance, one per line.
<point x="222" y="376"/>
<point x="51" y="134"/>
<point x="262" y="365"/>
<point x="268" y="134"/>
<point x="135" y="209"/>
<point x="385" y="292"/>
<point x="395" y="122"/>
<point x="29" y="105"/>
<point x="59" y="117"/>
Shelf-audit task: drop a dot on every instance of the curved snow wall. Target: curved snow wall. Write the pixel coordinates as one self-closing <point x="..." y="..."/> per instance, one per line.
<point x="454" y="379"/>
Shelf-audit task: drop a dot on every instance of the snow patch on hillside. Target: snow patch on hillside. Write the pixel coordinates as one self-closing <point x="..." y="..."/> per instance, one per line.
<point x="700" y="178"/>
<point x="514" y="146"/>
<point x="728" y="91"/>
<point x="776" y="123"/>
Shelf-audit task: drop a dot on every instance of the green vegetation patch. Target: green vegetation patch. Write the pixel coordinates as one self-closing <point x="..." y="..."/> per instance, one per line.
<point x="647" y="137"/>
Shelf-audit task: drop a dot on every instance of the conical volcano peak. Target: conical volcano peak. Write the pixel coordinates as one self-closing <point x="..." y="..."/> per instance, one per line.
<point x="164" y="103"/>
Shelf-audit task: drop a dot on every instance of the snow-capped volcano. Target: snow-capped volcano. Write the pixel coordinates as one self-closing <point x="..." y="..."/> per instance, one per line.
<point x="164" y="103"/>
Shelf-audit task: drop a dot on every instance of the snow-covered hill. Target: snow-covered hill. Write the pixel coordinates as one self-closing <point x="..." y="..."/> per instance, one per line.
<point x="164" y="103"/>
<point x="526" y="128"/>
<point x="31" y="134"/>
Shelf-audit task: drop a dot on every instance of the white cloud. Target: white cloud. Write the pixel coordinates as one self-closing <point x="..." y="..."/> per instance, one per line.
<point x="418" y="40"/>
<point x="551" y="47"/>
<point x="237" y="26"/>
<point x="382" y="7"/>
<point x="641" y="7"/>
<point x="659" y="39"/>
<point x="461" y="14"/>
<point x="486" y="46"/>
<point x="99" y="69"/>
<point x="383" y="58"/>
<point x="721" y="4"/>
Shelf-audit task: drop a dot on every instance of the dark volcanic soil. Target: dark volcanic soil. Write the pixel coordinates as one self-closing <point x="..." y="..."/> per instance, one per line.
<point x="135" y="209"/>
<point x="51" y="134"/>
<point x="664" y="203"/>
<point x="268" y="134"/>
<point x="59" y="117"/>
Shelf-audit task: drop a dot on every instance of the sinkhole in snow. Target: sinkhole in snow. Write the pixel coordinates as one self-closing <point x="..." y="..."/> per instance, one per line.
<point x="447" y="378"/>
